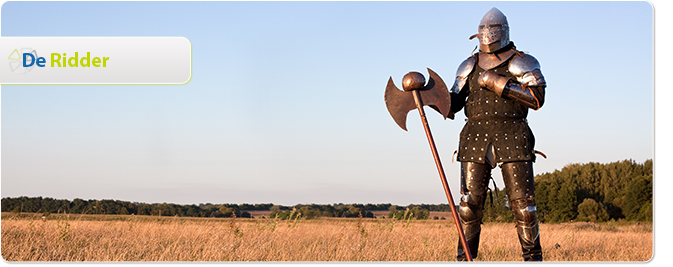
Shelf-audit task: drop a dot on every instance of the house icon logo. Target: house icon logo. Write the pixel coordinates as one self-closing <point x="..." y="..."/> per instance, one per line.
<point x="16" y="60"/>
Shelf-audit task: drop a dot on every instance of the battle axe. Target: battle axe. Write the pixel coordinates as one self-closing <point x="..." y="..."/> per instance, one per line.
<point x="416" y="94"/>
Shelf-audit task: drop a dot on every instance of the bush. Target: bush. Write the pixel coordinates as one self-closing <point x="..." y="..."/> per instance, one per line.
<point x="226" y="212"/>
<point x="590" y="210"/>
<point x="413" y="212"/>
<point x="283" y="215"/>
<point x="309" y="213"/>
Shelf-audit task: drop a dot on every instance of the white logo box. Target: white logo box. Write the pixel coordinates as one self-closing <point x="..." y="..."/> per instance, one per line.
<point x="130" y="60"/>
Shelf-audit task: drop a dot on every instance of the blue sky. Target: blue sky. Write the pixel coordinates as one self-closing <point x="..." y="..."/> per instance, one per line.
<point x="285" y="104"/>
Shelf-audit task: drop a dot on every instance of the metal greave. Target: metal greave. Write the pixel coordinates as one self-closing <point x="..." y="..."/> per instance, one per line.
<point x="520" y="189"/>
<point x="473" y="183"/>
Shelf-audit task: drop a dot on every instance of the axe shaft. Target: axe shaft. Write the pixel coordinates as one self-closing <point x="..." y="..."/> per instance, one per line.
<point x="438" y="162"/>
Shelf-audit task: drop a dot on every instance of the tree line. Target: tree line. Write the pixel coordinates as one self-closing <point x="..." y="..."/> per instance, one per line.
<point x="594" y="192"/>
<point x="109" y="206"/>
<point x="578" y="192"/>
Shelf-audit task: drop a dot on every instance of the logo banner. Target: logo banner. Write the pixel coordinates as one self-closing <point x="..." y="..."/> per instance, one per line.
<point x="95" y="60"/>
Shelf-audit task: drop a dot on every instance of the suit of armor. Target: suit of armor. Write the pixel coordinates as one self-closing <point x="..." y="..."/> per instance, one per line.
<point x="497" y="87"/>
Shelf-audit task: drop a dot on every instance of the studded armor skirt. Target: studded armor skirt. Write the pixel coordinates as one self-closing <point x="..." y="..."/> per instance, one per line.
<point x="511" y="138"/>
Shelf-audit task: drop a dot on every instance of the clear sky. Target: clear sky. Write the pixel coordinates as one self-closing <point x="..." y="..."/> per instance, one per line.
<point x="285" y="104"/>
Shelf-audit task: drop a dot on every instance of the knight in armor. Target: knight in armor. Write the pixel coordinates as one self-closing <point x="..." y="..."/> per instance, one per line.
<point x="496" y="87"/>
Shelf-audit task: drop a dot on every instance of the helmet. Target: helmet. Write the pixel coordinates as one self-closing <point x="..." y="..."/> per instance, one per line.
<point x="493" y="31"/>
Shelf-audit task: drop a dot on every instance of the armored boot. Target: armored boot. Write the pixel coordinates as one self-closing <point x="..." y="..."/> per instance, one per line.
<point x="528" y="228"/>
<point x="471" y="222"/>
<point x="474" y="180"/>
<point x="518" y="177"/>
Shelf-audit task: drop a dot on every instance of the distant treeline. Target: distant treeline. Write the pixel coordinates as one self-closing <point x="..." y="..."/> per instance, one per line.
<point x="108" y="206"/>
<point x="578" y="192"/>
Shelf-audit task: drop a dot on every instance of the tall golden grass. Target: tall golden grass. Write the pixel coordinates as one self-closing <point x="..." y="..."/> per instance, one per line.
<point x="138" y="238"/>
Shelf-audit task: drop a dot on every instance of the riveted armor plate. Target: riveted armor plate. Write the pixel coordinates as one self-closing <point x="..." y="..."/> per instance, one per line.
<point x="497" y="121"/>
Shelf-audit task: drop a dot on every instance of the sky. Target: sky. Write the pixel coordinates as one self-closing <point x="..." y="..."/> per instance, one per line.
<point x="285" y="104"/>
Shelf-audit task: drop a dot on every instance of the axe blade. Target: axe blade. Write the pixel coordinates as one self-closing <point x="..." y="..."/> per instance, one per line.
<point x="436" y="95"/>
<point x="399" y="103"/>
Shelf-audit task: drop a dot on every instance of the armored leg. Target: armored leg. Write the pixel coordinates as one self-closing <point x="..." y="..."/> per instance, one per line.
<point x="518" y="178"/>
<point x="473" y="182"/>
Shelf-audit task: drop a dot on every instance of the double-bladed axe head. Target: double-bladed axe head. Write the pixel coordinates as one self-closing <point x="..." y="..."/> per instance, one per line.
<point x="434" y="94"/>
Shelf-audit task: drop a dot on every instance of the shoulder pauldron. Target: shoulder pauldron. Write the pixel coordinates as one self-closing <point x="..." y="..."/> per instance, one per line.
<point x="526" y="69"/>
<point x="464" y="70"/>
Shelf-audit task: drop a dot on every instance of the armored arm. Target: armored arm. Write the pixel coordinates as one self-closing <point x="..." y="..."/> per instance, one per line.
<point x="529" y="87"/>
<point x="459" y="90"/>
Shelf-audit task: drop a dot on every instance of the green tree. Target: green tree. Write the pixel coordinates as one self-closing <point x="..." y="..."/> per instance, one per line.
<point x="564" y="206"/>
<point x="309" y="212"/>
<point x="638" y="206"/>
<point x="144" y="209"/>
<point x="621" y="188"/>
<point x="123" y="211"/>
<point x="275" y="209"/>
<point x="420" y="213"/>
<point x="590" y="210"/>
<point x="225" y="211"/>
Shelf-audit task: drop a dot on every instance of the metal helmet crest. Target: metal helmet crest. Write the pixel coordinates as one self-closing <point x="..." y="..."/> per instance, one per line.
<point x="493" y="31"/>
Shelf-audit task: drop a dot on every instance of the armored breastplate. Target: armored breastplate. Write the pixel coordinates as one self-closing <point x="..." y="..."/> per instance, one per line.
<point x="494" y="120"/>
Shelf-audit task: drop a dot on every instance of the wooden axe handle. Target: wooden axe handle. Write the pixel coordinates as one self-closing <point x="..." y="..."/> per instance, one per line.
<point x="438" y="162"/>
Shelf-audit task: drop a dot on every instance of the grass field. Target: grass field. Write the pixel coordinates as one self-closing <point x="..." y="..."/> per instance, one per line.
<point x="146" y="238"/>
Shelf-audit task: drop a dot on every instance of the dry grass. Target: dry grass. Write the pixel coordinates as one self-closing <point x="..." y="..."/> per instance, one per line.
<point x="137" y="238"/>
<point x="572" y="242"/>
